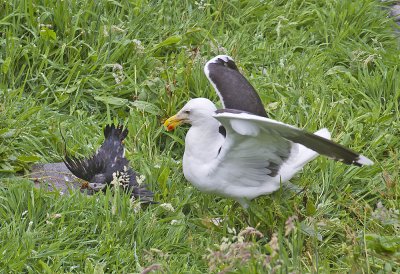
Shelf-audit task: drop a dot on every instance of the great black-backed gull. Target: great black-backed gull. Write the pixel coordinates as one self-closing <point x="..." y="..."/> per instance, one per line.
<point x="253" y="155"/>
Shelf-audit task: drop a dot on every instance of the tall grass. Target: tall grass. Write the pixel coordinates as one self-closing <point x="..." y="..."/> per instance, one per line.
<point x="73" y="66"/>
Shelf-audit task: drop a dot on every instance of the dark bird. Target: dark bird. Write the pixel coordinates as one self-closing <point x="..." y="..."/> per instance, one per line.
<point x="108" y="166"/>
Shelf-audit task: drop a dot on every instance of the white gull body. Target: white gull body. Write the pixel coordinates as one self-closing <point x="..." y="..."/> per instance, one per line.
<point x="256" y="156"/>
<point x="238" y="152"/>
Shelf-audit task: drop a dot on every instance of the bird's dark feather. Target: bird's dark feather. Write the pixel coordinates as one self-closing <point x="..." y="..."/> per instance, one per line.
<point x="107" y="161"/>
<point x="233" y="87"/>
<point x="328" y="148"/>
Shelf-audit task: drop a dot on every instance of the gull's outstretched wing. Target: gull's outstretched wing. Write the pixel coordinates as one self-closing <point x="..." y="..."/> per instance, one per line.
<point x="233" y="89"/>
<point x="261" y="142"/>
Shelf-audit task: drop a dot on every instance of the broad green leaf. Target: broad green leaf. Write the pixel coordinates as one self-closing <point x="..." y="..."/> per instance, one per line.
<point x="310" y="231"/>
<point x="310" y="208"/>
<point x="45" y="267"/>
<point x="163" y="179"/>
<point x="48" y="34"/>
<point x="146" y="107"/>
<point x="169" y="41"/>
<point x="112" y="100"/>
<point x="341" y="70"/>
<point x="383" y="244"/>
<point x="28" y="158"/>
<point x="6" y="65"/>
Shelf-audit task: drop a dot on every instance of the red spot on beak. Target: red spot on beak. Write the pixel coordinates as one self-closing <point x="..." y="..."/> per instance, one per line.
<point x="170" y="127"/>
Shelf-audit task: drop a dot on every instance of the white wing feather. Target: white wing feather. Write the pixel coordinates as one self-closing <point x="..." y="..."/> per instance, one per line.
<point x="267" y="132"/>
<point x="250" y="155"/>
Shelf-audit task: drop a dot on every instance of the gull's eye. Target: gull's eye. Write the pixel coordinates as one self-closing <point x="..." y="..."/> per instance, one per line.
<point x="187" y="111"/>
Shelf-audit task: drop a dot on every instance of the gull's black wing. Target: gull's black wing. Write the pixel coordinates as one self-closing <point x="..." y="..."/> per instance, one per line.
<point x="233" y="89"/>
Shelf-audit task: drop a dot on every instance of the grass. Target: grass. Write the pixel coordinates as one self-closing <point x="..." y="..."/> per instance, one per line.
<point x="76" y="65"/>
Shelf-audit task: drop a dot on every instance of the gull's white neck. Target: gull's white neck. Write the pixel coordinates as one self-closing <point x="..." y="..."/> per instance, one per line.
<point x="203" y="140"/>
<point x="202" y="145"/>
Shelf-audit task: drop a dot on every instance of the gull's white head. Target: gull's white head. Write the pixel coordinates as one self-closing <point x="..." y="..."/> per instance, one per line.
<point x="196" y="111"/>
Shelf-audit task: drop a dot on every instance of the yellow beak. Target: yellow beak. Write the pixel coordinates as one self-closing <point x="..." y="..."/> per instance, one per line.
<point x="172" y="122"/>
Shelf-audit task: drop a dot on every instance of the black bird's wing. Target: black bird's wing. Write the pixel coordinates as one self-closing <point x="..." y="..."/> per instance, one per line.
<point x="85" y="168"/>
<point x="112" y="148"/>
<point x="108" y="158"/>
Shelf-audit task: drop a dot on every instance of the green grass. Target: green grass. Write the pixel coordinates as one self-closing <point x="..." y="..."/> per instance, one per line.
<point x="314" y="63"/>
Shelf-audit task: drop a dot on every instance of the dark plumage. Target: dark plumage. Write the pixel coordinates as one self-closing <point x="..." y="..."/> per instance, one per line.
<point x="108" y="163"/>
<point x="233" y="89"/>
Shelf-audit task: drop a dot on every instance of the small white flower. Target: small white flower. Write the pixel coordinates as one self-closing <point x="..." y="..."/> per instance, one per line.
<point x="281" y="63"/>
<point x="105" y="31"/>
<point x="118" y="73"/>
<point x="168" y="206"/>
<point x="175" y="222"/>
<point x="137" y="42"/>
<point x="178" y="162"/>
<point x="240" y="238"/>
<point x="231" y="230"/>
<point x="117" y="66"/>
<point x="216" y="221"/>
<point x="225" y="244"/>
<point x="201" y="5"/>
<point x="46" y="26"/>
<point x="138" y="45"/>
<point x="135" y="205"/>
<point x="264" y="71"/>
<point x="115" y="181"/>
<point x="140" y="179"/>
<point x="117" y="29"/>
<point x="30" y="225"/>
<point x="54" y="216"/>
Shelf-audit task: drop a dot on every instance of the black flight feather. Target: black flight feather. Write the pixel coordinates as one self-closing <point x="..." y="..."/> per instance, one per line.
<point x="232" y="87"/>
